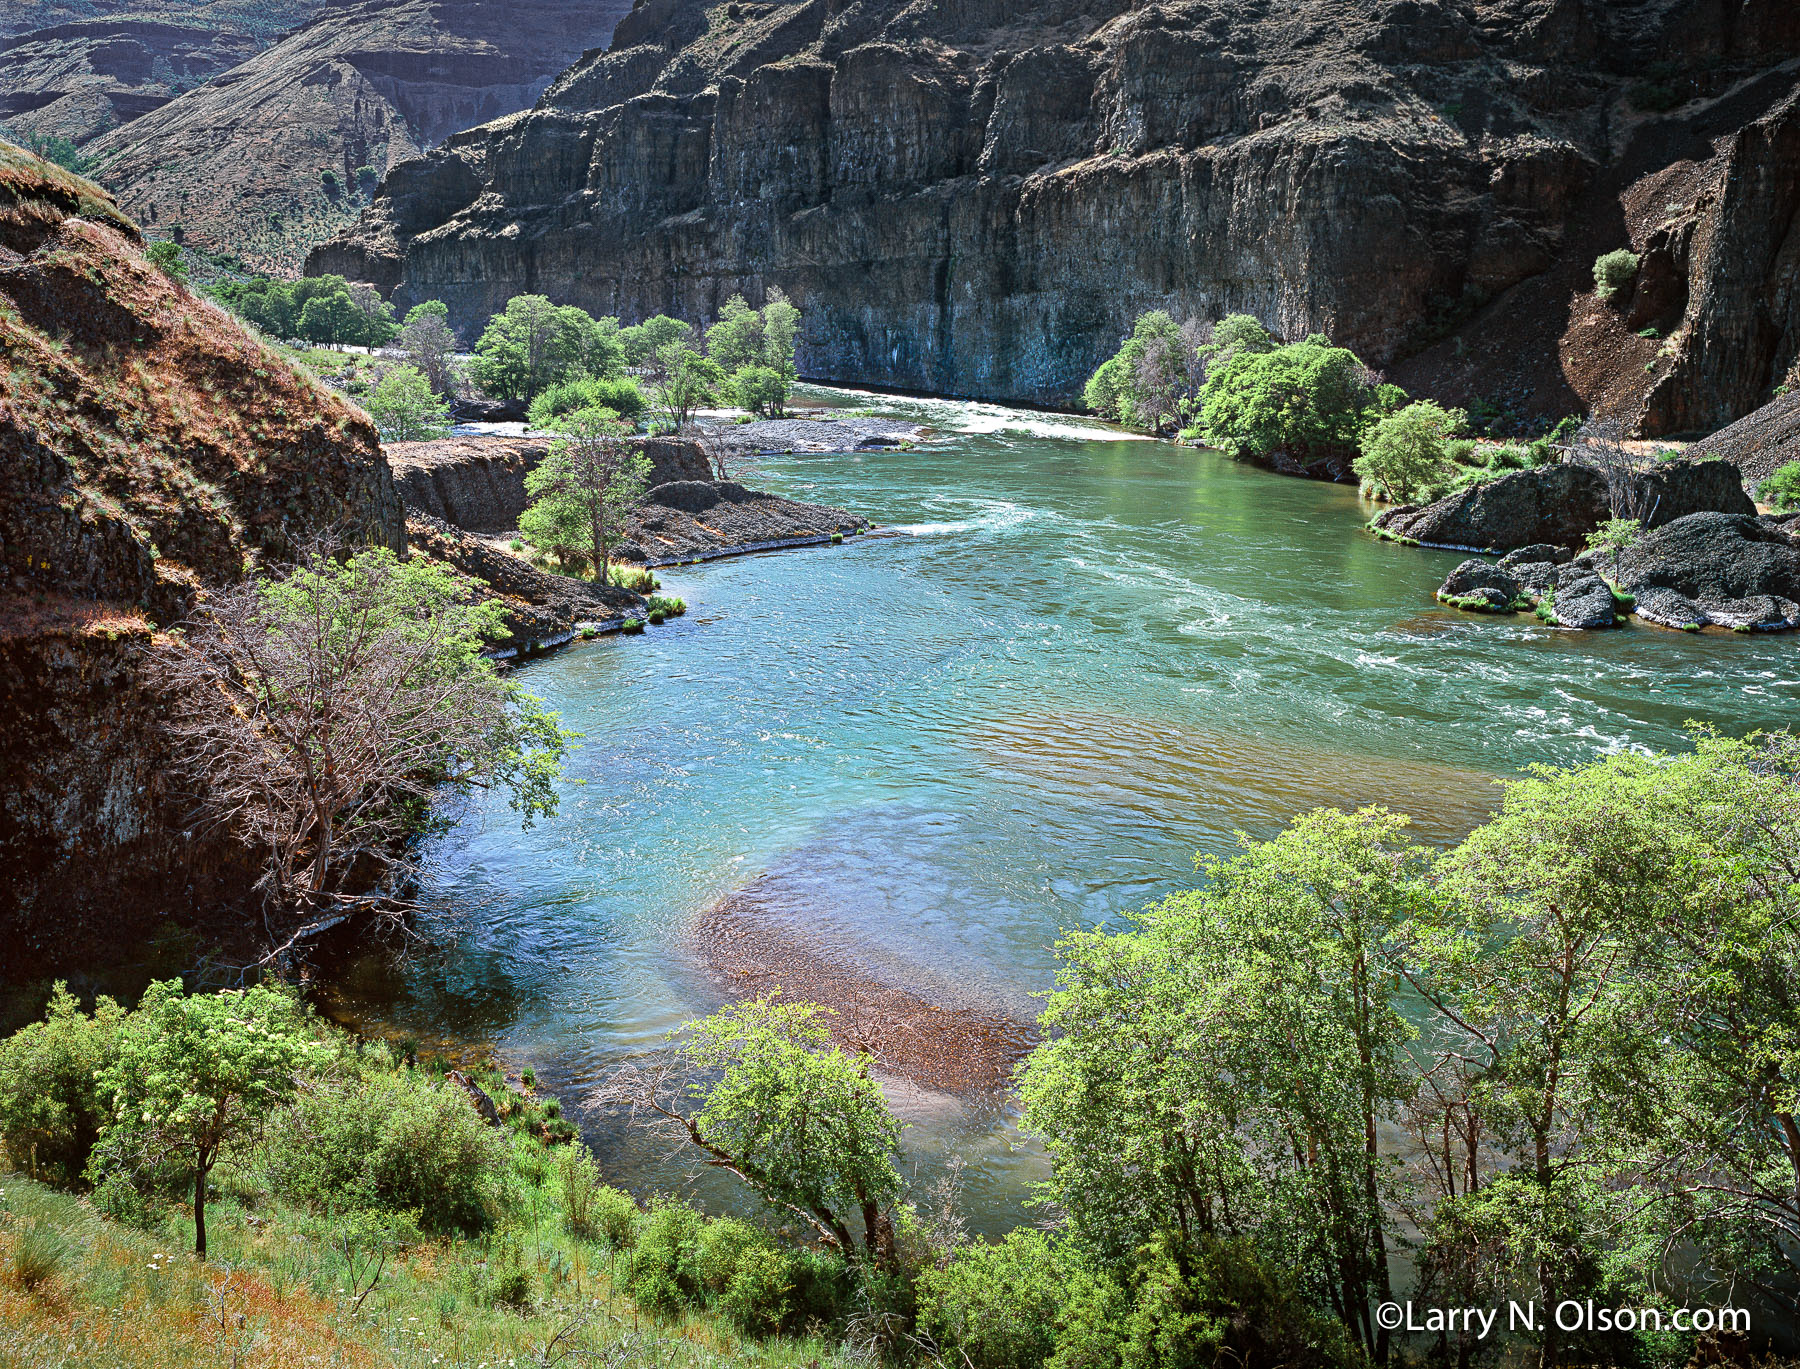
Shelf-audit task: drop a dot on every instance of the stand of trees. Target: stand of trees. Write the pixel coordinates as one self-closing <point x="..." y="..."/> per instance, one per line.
<point x="326" y="310"/>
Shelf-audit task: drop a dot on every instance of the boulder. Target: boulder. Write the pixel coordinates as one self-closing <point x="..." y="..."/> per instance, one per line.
<point x="1582" y="600"/>
<point x="1761" y="442"/>
<point x="1555" y="505"/>
<point x="1682" y="487"/>
<point x="1724" y="569"/>
<point x="1535" y="554"/>
<point x="1478" y="586"/>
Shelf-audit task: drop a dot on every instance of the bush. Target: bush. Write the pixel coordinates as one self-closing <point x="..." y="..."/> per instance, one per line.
<point x="1781" y="491"/>
<point x="665" y="1274"/>
<point x="656" y="617"/>
<point x="632" y="626"/>
<point x="618" y="393"/>
<point x="755" y="1300"/>
<point x="667" y="604"/>
<point x="637" y="579"/>
<point x="397" y="1142"/>
<point x="51" y="1108"/>
<point x="1308" y="398"/>
<point x="1613" y="271"/>
<point x="996" y="1306"/>
<point x="616" y="1217"/>
<point x="166" y="257"/>
<point x="1403" y="453"/>
<point x="578" y="1179"/>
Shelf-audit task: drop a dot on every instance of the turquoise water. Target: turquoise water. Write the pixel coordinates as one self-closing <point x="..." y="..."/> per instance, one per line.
<point x="1068" y="661"/>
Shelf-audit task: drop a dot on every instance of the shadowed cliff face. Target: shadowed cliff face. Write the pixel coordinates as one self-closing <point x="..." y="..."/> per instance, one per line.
<point x="148" y="447"/>
<point x="975" y="198"/>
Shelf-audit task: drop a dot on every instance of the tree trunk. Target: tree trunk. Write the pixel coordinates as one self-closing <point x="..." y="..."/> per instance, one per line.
<point x="200" y="1168"/>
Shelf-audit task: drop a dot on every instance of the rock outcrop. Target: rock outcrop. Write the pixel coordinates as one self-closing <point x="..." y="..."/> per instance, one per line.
<point x="1761" y="442"/>
<point x="147" y="446"/>
<point x="478" y="483"/>
<point x="700" y="520"/>
<point x="974" y="200"/>
<point x="1561" y="505"/>
<point x="1715" y="569"/>
<point x="279" y="152"/>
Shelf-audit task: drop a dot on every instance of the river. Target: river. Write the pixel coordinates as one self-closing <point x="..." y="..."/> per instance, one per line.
<point x="1067" y="661"/>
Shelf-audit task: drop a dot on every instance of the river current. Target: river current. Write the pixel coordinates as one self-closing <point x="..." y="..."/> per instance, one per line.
<point x="1067" y="661"/>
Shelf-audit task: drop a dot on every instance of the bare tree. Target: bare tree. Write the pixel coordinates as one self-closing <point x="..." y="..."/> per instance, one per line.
<point x="428" y="344"/>
<point x="315" y="718"/>
<point x="1600" y="444"/>
<point x="1170" y="373"/>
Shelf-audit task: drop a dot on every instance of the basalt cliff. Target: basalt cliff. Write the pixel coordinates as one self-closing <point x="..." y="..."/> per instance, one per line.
<point x="148" y="447"/>
<point x="976" y="199"/>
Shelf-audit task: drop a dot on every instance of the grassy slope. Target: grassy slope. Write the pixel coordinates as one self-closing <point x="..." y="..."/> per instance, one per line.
<point x="277" y="1293"/>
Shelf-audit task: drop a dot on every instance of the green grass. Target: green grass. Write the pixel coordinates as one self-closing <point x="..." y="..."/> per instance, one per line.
<point x="1387" y="536"/>
<point x="276" y="1291"/>
<point x="631" y="626"/>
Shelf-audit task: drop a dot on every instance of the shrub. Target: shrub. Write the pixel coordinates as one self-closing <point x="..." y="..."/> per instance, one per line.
<point x="1613" y="271"/>
<point x="616" y="1217"/>
<point x="637" y="579"/>
<point x="756" y="1300"/>
<point x="667" y="604"/>
<point x="1615" y="536"/>
<point x="618" y="393"/>
<point x="166" y="257"/>
<point x="632" y="626"/>
<point x="656" y="617"/>
<point x="1404" y="452"/>
<point x="397" y="1142"/>
<point x="996" y="1306"/>
<point x="665" y="1275"/>
<point x="578" y="1179"/>
<point x="51" y="1107"/>
<point x="1781" y="491"/>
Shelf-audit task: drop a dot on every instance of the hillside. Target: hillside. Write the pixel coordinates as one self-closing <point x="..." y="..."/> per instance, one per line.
<point x="147" y="445"/>
<point x="979" y="200"/>
<point x="227" y="129"/>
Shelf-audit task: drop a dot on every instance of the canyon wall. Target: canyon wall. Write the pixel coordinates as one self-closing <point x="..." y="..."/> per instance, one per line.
<point x="148" y="447"/>
<point x="977" y="200"/>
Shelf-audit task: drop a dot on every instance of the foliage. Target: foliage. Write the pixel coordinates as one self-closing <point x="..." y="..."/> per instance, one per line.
<point x="643" y="341"/>
<point x="1781" y="491"/>
<point x="620" y="394"/>
<point x="755" y="347"/>
<point x="1307" y="398"/>
<point x="395" y="1141"/>
<point x="1615" y="537"/>
<point x="51" y="1108"/>
<point x="1265" y="1005"/>
<point x="316" y="717"/>
<point x="166" y="257"/>
<point x="1613" y="271"/>
<point x="194" y="1075"/>
<point x="683" y="381"/>
<point x="532" y="344"/>
<point x="60" y="149"/>
<point x="585" y="489"/>
<point x="341" y="313"/>
<point x="757" y="388"/>
<point x="405" y="408"/>
<point x="1403" y="452"/>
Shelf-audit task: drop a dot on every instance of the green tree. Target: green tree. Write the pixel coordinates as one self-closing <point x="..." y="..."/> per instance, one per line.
<point x="532" y="344"/>
<point x="1221" y="1068"/>
<point x="1615" y="537"/>
<point x="586" y="488"/>
<point x="785" y="1110"/>
<point x="1781" y="491"/>
<point x="737" y="338"/>
<point x="760" y="390"/>
<point x="195" y="1075"/>
<point x="51" y="1107"/>
<point x="687" y="381"/>
<point x="643" y="341"/>
<point x="405" y="409"/>
<point x="330" y="320"/>
<point x="1403" y="452"/>
<point x="1308" y="398"/>
<point x="1233" y="334"/>
<point x="166" y="257"/>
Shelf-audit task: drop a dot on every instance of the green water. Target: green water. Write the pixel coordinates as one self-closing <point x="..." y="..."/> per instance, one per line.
<point x="1068" y="661"/>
